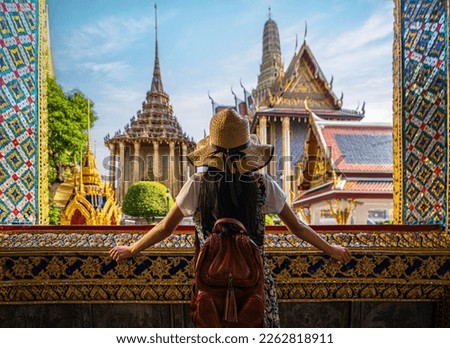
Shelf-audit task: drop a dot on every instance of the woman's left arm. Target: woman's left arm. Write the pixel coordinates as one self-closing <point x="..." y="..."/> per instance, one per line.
<point x="159" y="232"/>
<point x="306" y="233"/>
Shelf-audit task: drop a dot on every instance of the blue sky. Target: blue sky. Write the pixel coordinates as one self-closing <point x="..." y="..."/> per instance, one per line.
<point x="106" y="49"/>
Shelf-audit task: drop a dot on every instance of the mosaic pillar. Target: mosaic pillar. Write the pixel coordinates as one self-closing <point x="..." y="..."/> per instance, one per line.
<point x="421" y="95"/>
<point x="24" y="66"/>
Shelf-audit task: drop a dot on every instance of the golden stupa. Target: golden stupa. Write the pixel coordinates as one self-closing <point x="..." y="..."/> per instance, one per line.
<point x="92" y="202"/>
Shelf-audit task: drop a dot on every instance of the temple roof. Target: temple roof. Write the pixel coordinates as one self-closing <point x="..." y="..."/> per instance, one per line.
<point x="356" y="147"/>
<point x="156" y="120"/>
<point x="298" y="111"/>
<point x="346" y="160"/>
<point x="347" y="189"/>
<point x="357" y="155"/>
<point x="303" y="80"/>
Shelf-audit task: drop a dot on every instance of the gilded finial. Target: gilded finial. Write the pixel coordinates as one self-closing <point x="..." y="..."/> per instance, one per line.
<point x="296" y="43"/>
<point x="212" y="103"/>
<point x="336" y="179"/>
<point x="306" y="31"/>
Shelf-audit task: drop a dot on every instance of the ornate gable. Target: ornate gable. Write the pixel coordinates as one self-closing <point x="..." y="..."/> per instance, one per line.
<point x="305" y="80"/>
<point x="315" y="166"/>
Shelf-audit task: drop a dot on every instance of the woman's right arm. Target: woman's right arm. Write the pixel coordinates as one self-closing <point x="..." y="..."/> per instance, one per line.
<point x="159" y="232"/>
<point x="185" y="205"/>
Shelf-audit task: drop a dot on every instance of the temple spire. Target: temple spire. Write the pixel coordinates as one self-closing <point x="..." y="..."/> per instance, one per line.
<point x="271" y="67"/>
<point x="157" y="80"/>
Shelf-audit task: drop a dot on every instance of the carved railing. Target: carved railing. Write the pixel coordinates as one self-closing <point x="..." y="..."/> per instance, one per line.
<point x="71" y="265"/>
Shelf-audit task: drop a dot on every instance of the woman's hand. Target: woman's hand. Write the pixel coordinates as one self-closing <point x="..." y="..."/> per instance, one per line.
<point x="340" y="254"/>
<point x="120" y="253"/>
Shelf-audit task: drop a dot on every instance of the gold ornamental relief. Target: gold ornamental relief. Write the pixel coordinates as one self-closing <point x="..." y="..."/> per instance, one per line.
<point x="124" y="294"/>
<point x="397" y="116"/>
<point x="174" y="294"/>
<point x="345" y="291"/>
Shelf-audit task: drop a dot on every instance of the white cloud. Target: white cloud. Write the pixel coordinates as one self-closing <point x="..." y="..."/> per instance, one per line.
<point x="379" y="26"/>
<point x="108" y="35"/>
<point x="237" y="65"/>
<point x="118" y="104"/>
<point x="193" y="111"/>
<point x="360" y="59"/>
<point x="108" y="70"/>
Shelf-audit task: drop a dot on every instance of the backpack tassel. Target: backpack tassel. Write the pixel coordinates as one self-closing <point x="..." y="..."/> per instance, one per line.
<point x="230" y="310"/>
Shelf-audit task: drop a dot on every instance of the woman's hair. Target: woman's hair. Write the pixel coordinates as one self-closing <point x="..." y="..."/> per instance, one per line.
<point x="216" y="199"/>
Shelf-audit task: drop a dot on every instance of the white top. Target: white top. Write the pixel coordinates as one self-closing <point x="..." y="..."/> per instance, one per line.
<point x="187" y="199"/>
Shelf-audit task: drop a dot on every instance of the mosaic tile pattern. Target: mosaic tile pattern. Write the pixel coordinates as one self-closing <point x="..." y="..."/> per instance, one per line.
<point x="424" y="114"/>
<point x="19" y="148"/>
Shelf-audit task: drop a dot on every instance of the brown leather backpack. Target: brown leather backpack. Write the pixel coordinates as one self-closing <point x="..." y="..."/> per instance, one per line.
<point x="229" y="279"/>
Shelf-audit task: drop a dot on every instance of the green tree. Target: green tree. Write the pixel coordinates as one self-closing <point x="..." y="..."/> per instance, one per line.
<point x="147" y="199"/>
<point x="54" y="214"/>
<point x="67" y="125"/>
<point x="269" y="220"/>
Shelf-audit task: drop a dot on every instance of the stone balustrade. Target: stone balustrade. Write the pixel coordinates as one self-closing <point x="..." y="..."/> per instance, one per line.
<point x="404" y="266"/>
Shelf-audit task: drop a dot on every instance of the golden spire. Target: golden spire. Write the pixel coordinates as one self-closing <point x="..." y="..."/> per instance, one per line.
<point x="90" y="173"/>
<point x="94" y="202"/>
<point x="81" y="174"/>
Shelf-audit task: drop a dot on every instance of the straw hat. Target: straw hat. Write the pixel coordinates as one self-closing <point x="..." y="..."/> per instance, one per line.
<point x="230" y="142"/>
